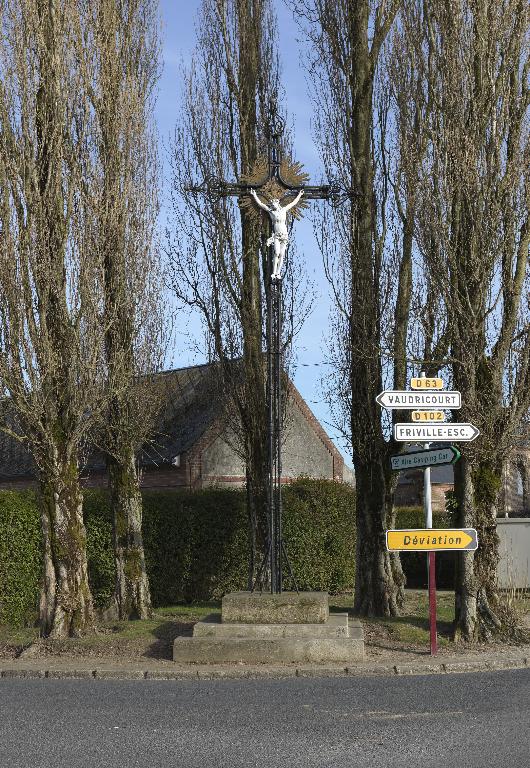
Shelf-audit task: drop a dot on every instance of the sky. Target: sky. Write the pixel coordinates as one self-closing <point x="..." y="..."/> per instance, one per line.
<point x="178" y="35"/>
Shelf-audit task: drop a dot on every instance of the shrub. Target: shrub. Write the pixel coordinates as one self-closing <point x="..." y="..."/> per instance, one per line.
<point x="319" y="534"/>
<point x="197" y="545"/>
<point x="20" y="557"/>
<point x="100" y="554"/>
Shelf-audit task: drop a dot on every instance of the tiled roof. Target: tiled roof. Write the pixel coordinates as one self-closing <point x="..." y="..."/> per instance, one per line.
<point x="191" y="401"/>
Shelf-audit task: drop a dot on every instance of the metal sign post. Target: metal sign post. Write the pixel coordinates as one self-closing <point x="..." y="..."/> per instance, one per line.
<point x="431" y="557"/>
<point x="425" y="397"/>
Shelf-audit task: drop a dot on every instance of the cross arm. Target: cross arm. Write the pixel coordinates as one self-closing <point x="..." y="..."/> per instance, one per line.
<point x="221" y="188"/>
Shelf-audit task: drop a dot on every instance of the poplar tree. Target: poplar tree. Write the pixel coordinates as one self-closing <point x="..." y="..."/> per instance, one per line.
<point x="121" y="81"/>
<point x="51" y="330"/>
<point x="216" y="248"/>
<point x="371" y="283"/>
<point x="473" y="233"/>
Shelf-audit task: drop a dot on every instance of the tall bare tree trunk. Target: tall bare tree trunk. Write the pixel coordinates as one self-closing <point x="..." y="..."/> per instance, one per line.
<point x="251" y="15"/>
<point x="51" y="336"/>
<point x="65" y="604"/>
<point x="473" y="194"/>
<point x="378" y="578"/>
<point x="132" y="594"/>
<point x="218" y="263"/>
<point x="348" y="39"/>
<point x="126" y="43"/>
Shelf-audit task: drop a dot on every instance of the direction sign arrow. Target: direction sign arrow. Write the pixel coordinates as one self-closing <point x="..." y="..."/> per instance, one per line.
<point x="431" y="539"/>
<point x="428" y="433"/>
<point x="430" y="458"/>
<point x="403" y="400"/>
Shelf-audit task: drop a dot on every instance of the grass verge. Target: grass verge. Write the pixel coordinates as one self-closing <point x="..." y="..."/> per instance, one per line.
<point x="154" y="637"/>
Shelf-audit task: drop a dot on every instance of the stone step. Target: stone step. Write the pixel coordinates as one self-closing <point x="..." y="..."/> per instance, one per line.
<point x="258" y="650"/>
<point x="212" y="626"/>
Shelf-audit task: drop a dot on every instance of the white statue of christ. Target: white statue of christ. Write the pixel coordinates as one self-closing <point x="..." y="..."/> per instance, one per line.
<point x="280" y="236"/>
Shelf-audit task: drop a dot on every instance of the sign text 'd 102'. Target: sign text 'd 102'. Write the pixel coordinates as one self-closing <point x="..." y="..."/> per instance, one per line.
<point x="428" y="416"/>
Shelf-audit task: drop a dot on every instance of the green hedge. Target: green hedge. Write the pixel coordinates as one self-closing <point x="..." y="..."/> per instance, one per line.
<point x="20" y="557"/>
<point x="319" y="534"/>
<point x="196" y="544"/>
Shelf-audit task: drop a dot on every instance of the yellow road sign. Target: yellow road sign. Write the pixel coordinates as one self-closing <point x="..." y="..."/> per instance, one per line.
<point x="431" y="539"/>
<point x="428" y="416"/>
<point x="425" y="383"/>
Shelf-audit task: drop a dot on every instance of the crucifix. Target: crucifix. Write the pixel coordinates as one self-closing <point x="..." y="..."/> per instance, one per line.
<point x="267" y="194"/>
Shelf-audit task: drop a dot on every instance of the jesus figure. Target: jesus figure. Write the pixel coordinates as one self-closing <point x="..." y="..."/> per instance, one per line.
<point x="280" y="236"/>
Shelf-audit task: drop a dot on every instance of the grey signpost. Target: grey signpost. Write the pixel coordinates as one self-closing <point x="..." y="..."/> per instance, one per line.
<point x="424" y="399"/>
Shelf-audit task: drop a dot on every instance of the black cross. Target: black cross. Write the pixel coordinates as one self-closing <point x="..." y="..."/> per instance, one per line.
<point x="220" y="188"/>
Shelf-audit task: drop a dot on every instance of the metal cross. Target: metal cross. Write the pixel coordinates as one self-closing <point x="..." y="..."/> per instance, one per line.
<point x="212" y="186"/>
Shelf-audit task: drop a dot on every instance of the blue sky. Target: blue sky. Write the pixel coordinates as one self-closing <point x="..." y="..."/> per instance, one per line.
<point x="178" y="32"/>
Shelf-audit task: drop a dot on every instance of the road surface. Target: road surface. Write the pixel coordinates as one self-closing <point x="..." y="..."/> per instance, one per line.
<point x="471" y="720"/>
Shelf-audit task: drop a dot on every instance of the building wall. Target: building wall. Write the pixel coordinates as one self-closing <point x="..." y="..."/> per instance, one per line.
<point x="517" y="485"/>
<point x="220" y="463"/>
<point x="17" y="483"/>
<point x="514" y="551"/>
<point x="411" y="494"/>
<point x="305" y="451"/>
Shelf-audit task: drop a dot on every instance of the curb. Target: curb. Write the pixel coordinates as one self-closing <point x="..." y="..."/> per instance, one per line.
<point x="270" y="673"/>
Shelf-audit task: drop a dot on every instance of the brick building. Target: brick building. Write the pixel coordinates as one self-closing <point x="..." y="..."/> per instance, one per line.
<point x="193" y="445"/>
<point x="409" y="491"/>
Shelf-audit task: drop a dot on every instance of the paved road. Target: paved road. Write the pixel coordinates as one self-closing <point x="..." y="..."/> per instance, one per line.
<point x="473" y="720"/>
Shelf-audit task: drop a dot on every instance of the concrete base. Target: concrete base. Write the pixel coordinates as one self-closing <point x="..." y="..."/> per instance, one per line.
<point x="212" y="626"/>
<point x="259" y="628"/>
<point x="284" y="608"/>
<point x="254" y="650"/>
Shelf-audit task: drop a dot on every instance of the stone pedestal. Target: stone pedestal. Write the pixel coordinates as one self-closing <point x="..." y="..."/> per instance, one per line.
<point x="262" y="628"/>
<point x="286" y="608"/>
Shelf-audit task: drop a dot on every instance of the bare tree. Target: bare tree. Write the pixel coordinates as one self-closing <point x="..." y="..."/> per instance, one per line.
<point x="216" y="246"/>
<point x="51" y="331"/>
<point x="120" y="81"/>
<point x="368" y="260"/>
<point x="474" y="234"/>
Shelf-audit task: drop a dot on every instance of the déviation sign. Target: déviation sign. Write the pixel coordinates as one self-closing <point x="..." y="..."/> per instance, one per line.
<point x="431" y="539"/>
